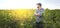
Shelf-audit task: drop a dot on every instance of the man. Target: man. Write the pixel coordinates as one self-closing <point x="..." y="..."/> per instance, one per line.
<point x="38" y="14"/>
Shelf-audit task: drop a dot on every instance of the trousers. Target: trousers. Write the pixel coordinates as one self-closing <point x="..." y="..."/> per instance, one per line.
<point x="39" y="25"/>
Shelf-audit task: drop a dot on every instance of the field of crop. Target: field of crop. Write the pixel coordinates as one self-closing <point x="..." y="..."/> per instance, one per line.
<point x="21" y="16"/>
<point x="25" y="18"/>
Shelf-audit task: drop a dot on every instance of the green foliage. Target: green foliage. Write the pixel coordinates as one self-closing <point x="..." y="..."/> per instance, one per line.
<point x="51" y="19"/>
<point x="6" y="21"/>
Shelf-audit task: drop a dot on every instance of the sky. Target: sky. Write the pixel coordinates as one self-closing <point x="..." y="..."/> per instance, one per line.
<point x="17" y="4"/>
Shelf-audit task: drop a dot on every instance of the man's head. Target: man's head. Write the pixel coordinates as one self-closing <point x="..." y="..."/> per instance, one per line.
<point x="39" y="5"/>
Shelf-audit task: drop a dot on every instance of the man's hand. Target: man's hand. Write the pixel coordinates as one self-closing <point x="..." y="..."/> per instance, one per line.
<point x="37" y="14"/>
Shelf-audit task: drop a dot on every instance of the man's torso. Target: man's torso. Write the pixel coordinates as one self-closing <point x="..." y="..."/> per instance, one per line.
<point x="39" y="18"/>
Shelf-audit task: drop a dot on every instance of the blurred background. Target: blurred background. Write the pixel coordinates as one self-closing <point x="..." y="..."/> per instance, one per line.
<point x="20" y="13"/>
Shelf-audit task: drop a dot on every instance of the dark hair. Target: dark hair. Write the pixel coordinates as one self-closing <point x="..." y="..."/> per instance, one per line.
<point x="39" y="4"/>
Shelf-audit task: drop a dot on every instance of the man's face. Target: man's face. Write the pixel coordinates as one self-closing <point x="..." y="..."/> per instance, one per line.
<point x="38" y="6"/>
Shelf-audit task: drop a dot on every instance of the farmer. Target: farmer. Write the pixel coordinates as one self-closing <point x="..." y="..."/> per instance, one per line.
<point x="38" y="14"/>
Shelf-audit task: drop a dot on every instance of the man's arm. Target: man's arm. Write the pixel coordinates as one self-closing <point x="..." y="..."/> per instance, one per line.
<point x="37" y="14"/>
